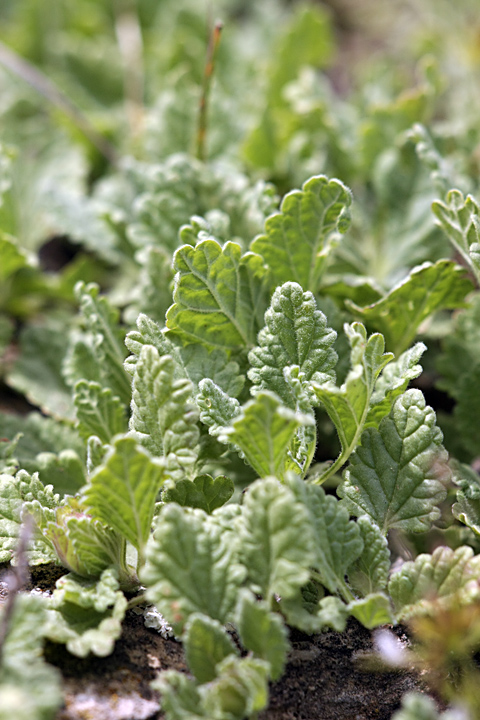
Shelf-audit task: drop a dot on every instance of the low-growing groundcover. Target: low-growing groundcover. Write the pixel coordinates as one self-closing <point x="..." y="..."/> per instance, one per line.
<point x="225" y="432"/>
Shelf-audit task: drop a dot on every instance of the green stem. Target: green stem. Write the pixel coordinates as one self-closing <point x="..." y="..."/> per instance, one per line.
<point x="137" y="600"/>
<point x="213" y="44"/>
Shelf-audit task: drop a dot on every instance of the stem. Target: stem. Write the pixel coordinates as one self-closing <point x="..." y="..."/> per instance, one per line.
<point x="45" y="87"/>
<point x="212" y="49"/>
<point x="137" y="600"/>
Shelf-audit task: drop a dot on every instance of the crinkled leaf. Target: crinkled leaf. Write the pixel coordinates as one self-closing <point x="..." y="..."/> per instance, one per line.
<point x="459" y="217"/>
<point x="122" y="492"/>
<point x="99" y="412"/>
<point x="181" y="699"/>
<point x="369" y="573"/>
<point x="191" y="567"/>
<point x="429" y="288"/>
<point x="467" y="507"/>
<point x="277" y="540"/>
<point x="203" y="492"/>
<point x="295" y="333"/>
<point x="65" y="471"/>
<point x="445" y="578"/>
<point x="264" y="431"/>
<point x="298" y="239"/>
<point x="163" y="419"/>
<point x="262" y="632"/>
<point x="398" y="474"/>
<point x="219" y="298"/>
<point x="372" y="610"/>
<point x="87" y="615"/>
<point x="348" y="405"/>
<point x="206" y="644"/>
<point x="217" y="409"/>
<point x="239" y="691"/>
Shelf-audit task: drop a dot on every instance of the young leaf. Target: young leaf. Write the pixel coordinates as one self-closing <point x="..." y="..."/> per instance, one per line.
<point x="87" y="615"/>
<point x="217" y="409"/>
<point x="417" y="706"/>
<point x="467" y="507"/>
<point x="262" y="632"/>
<point x="264" y="431"/>
<point x="181" y="699"/>
<point x="122" y="492"/>
<point x="369" y="573"/>
<point x="219" y="298"/>
<point x="298" y="239"/>
<point x="191" y="567"/>
<point x="295" y="333"/>
<point x="372" y="610"/>
<point x="398" y="474"/>
<point x="206" y="644"/>
<point x="98" y="411"/>
<point x="240" y="690"/>
<point x="428" y="288"/>
<point x="203" y="492"/>
<point x="440" y="579"/>
<point x="459" y="218"/>
<point x="163" y="419"/>
<point x="277" y="540"/>
<point x="348" y="405"/>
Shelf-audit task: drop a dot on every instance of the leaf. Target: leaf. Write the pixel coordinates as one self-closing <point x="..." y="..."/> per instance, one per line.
<point x="98" y="411"/>
<point x="206" y="644"/>
<point x="398" y="474"/>
<point x="262" y="632"/>
<point x="369" y="573"/>
<point x="11" y="256"/>
<point x="337" y="538"/>
<point x="445" y="578"/>
<point x="277" y="540"/>
<point x="122" y="492"/>
<point x="87" y="615"/>
<point x="298" y="239"/>
<point x="181" y="699"/>
<point x="295" y="333"/>
<point x="348" y="405"/>
<point x="191" y="567"/>
<point x="203" y="492"/>
<point x="264" y="431"/>
<point x="459" y="218"/>
<point x="467" y="507"/>
<point x="417" y="706"/>
<point x="239" y="691"/>
<point x="372" y="610"/>
<point x="219" y="298"/>
<point x="429" y="288"/>
<point x="217" y="408"/>
<point x="163" y="420"/>
<point x="65" y="471"/>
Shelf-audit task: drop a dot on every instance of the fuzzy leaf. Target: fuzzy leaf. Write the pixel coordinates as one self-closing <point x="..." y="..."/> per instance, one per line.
<point x="348" y="405"/>
<point x="467" y="507"/>
<point x="217" y="409"/>
<point x="447" y="577"/>
<point x="163" y="419"/>
<point x="98" y="411"/>
<point x="122" y="492"/>
<point x="398" y="474"/>
<point x="298" y="239"/>
<point x="369" y="573"/>
<point x="203" y="492"/>
<point x="277" y="540"/>
<point x="206" y="644"/>
<point x="262" y="632"/>
<point x="219" y="298"/>
<point x="459" y="217"/>
<point x="240" y="690"/>
<point x="295" y="333"/>
<point x="191" y="567"/>
<point x="372" y="610"/>
<point x="87" y="615"/>
<point x="429" y="288"/>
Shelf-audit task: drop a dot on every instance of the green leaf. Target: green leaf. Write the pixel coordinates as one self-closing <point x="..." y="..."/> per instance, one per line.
<point x="163" y="419"/>
<point x="240" y="690"/>
<point x="445" y="578"/>
<point x="206" y="644"/>
<point x="298" y="239"/>
<point x="416" y="706"/>
<point x="87" y="615"/>
<point x="338" y="542"/>
<point x="219" y="298"/>
<point x="369" y="573"/>
<point x="122" y="492"/>
<point x="191" y="567"/>
<point x="398" y="474"/>
<point x="348" y="405"/>
<point x="65" y="471"/>
<point x="277" y="540"/>
<point x="372" y="610"/>
<point x="459" y="218"/>
<point x="11" y="256"/>
<point x="98" y="411"/>
<point x="203" y="492"/>
<point x="217" y="409"/>
<point x="429" y="288"/>
<point x="262" y="632"/>
<point x="295" y="333"/>
<point x="264" y="431"/>
<point x="467" y="507"/>
<point x="181" y="699"/>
